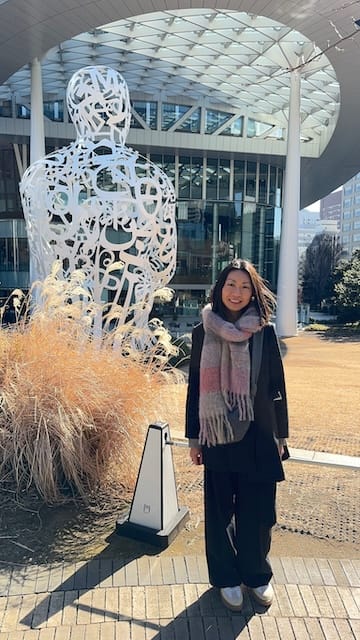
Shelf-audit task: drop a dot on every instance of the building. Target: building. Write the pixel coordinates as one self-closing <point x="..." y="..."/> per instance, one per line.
<point x="331" y="206"/>
<point x="240" y="107"/>
<point x="350" y="216"/>
<point x="310" y="225"/>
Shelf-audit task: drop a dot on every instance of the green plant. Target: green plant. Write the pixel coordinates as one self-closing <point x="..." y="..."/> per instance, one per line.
<point x="316" y="326"/>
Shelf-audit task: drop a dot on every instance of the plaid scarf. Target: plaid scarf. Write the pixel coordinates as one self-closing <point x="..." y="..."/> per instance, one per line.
<point x="225" y="374"/>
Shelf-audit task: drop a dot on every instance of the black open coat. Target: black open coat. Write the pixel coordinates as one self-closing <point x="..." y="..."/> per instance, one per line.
<point x="257" y="454"/>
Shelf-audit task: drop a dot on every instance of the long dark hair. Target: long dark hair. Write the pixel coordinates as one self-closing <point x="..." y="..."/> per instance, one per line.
<point x="264" y="299"/>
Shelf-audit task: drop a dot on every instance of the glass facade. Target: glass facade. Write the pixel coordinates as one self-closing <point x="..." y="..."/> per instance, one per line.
<point x="148" y="112"/>
<point x="226" y="208"/>
<point x="9" y="190"/>
<point x="14" y="257"/>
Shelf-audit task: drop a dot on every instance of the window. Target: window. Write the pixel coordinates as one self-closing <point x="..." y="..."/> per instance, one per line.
<point x="215" y="119"/>
<point x="256" y="128"/>
<point x="224" y="179"/>
<point x="166" y="163"/>
<point x="211" y="178"/>
<point x="5" y="109"/>
<point x="23" y="112"/>
<point x="263" y="183"/>
<point x="236" y="128"/>
<point x="171" y="113"/>
<point x="54" y="110"/>
<point x="250" y="191"/>
<point x="147" y="111"/>
<point x="192" y="123"/>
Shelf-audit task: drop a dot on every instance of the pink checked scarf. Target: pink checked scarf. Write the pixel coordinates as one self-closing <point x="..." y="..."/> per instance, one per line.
<point x="225" y="374"/>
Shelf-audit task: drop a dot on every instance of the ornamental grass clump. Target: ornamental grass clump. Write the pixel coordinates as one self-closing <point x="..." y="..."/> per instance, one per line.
<point x="73" y="409"/>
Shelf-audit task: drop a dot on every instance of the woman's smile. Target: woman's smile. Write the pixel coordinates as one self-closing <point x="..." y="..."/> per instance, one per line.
<point x="237" y="291"/>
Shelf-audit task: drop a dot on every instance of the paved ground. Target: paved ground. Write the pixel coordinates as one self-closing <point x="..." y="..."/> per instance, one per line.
<point x="145" y="594"/>
<point x="169" y="598"/>
<point x="164" y="595"/>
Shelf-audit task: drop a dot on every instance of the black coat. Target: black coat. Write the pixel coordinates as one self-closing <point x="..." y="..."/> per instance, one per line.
<point x="257" y="452"/>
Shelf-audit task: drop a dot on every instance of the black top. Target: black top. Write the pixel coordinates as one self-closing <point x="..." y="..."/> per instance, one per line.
<point x="257" y="454"/>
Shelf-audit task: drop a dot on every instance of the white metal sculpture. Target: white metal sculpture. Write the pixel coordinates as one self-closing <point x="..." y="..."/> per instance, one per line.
<point x="98" y="205"/>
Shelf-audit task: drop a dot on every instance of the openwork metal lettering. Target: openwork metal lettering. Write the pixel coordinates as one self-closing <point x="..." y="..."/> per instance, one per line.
<point x="98" y="205"/>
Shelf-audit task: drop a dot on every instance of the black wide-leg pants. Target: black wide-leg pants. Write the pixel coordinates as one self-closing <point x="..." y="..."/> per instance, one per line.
<point x="239" y="516"/>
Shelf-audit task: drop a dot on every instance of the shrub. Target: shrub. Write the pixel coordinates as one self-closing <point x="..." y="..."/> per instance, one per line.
<point x="316" y="326"/>
<point x="72" y="407"/>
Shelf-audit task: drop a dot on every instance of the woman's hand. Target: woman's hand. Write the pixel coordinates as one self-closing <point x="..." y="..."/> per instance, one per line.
<point x="196" y="455"/>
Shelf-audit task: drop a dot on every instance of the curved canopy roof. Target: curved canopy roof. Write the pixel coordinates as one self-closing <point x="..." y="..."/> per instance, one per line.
<point x="218" y="55"/>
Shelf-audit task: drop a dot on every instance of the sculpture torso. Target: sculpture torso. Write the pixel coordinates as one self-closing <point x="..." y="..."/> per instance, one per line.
<point x="99" y="206"/>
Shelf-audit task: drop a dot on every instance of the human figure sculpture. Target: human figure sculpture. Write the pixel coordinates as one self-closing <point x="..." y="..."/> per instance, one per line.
<point x="98" y="205"/>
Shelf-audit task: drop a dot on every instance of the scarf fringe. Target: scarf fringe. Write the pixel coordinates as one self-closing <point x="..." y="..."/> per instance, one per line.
<point x="242" y="402"/>
<point x="215" y="430"/>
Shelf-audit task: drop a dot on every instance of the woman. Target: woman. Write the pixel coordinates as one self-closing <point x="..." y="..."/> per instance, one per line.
<point x="236" y="423"/>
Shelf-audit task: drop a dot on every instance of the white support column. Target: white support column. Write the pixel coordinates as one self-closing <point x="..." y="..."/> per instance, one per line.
<point x="287" y="290"/>
<point x="215" y="241"/>
<point x="37" y="136"/>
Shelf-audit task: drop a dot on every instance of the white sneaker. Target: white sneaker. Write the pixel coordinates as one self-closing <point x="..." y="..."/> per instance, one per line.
<point x="232" y="598"/>
<point x="264" y="594"/>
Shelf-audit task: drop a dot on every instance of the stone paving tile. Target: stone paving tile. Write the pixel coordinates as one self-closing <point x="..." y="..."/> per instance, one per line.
<point x="336" y="602"/>
<point x="314" y="629"/>
<point x="155" y="598"/>
<point x="356" y="564"/>
<point x="192" y="568"/>
<point x="349" y="602"/>
<point x="313" y="571"/>
<point x="131" y="573"/>
<point x="80" y="575"/>
<point x="118" y="577"/>
<point x="143" y="567"/>
<point x="326" y="572"/>
<point x="180" y="570"/>
<point x="106" y="572"/>
<point x="155" y="570"/>
<point x="165" y="602"/>
<point x="278" y="569"/>
<point x="285" y="628"/>
<point x="70" y="610"/>
<point x="338" y="571"/>
<point x="289" y="570"/>
<point x="350" y="572"/>
<point x="167" y="570"/>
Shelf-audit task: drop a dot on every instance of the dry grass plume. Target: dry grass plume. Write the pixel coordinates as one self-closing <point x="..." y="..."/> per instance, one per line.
<point x="73" y="410"/>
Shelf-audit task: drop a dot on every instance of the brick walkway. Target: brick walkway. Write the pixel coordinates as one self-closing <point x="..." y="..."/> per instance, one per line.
<point x="164" y="597"/>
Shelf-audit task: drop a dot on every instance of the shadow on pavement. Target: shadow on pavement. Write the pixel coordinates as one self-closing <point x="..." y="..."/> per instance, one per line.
<point x="204" y="616"/>
<point x="340" y="334"/>
<point x="87" y="576"/>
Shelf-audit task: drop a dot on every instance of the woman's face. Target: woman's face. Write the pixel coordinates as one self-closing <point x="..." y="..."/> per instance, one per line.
<point x="236" y="293"/>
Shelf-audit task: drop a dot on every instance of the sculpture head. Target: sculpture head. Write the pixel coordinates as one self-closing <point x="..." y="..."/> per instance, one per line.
<point x="99" y="104"/>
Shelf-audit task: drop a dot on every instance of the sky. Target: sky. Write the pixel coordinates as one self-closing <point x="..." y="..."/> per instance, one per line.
<point x="315" y="206"/>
